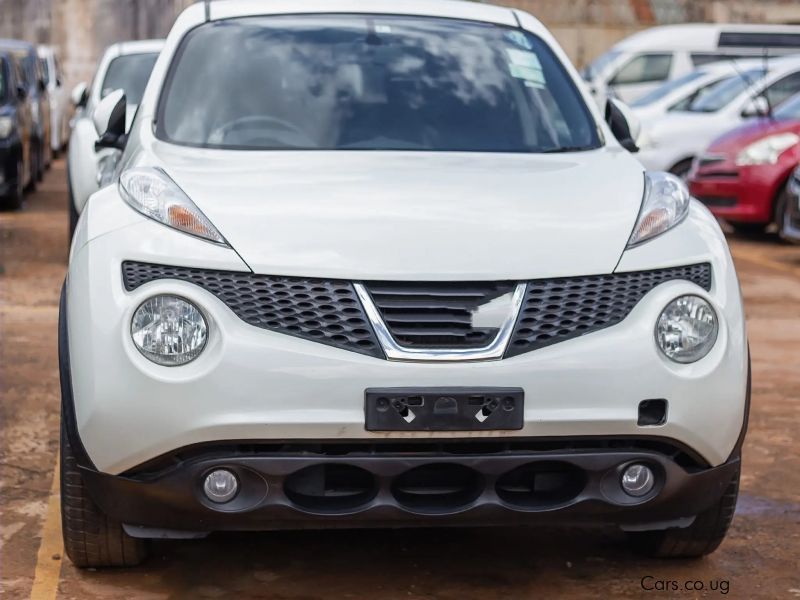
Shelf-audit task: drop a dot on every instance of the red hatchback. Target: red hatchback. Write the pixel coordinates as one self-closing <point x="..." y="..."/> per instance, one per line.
<point x="742" y="177"/>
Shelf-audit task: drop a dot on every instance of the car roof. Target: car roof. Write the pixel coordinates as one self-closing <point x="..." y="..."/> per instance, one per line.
<point x="455" y="9"/>
<point x="693" y="36"/>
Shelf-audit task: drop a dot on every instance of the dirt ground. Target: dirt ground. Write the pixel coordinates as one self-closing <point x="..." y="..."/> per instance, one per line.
<point x="759" y="559"/>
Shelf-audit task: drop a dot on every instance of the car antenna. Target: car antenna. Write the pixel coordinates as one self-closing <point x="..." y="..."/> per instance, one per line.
<point x="751" y="85"/>
<point x="765" y="62"/>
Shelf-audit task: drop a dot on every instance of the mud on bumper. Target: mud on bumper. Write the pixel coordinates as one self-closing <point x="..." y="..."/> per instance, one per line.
<point x="292" y="486"/>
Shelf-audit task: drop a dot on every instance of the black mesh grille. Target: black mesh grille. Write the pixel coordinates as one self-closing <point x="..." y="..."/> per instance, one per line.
<point x="326" y="311"/>
<point x="436" y="315"/>
<point x="555" y="310"/>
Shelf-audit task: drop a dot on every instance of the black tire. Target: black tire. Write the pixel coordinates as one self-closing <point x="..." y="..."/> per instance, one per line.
<point x="90" y="538"/>
<point x="781" y="209"/>
<point x="682" y="169"/>
<point x="40" y="164"/>
<point x="13" y="200"/>
<point x="699" y="539"/>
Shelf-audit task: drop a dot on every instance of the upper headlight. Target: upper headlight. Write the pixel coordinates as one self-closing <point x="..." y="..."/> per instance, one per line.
<point x="151" y="192"/>
<point x="6" y="127"/>
<point x="767" y="151"/>
<point x="665" y="204"/>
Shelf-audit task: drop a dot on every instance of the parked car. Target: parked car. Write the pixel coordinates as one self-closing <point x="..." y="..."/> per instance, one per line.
<point x="353" y="276"/>
<point x="671" y="142"/>
<point x="743" y="176"/>
<point x="644" y="60"/>
<point x="791" y="222"/>
<point x="15" y="133"/>
<point x="125" y="66"/>
<point x="678" y="94"/>
<point x="59" y="98"/>
<point x="38" y="101"/>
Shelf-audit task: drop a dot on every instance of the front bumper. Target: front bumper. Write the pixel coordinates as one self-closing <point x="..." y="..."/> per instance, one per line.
<point x="738" y="194"/>
<point x="351" y="485"/>
<point x="255" y="384"/>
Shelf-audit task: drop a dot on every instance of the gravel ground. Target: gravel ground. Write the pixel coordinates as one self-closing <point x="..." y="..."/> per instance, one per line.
<point x="759" y="559"/>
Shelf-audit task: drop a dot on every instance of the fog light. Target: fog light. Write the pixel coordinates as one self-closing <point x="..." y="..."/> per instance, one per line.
<point x="638" y="480"/>
<point x="220" y="486"/>
<point x="169" y="330"/>
<point x="687" y="329"/>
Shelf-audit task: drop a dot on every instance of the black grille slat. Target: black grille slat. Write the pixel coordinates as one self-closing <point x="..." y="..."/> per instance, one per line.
<point x="436" y="314"/>
<point x="323" y="310"/>
<point x="555" y="310"/>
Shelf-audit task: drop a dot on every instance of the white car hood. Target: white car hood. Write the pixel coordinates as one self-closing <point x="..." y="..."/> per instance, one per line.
<point x="415" y="216"/>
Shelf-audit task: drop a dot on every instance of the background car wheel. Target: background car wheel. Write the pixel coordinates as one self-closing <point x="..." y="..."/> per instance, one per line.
<point x="782" y="208"/>
<point x="700" y="538"/>
<point x="90" y="538"/>
<point x="13" y="200"/>
<point x="33" y="169"/>
<point x="682" y="169"/>
<point x="40" y="164"/>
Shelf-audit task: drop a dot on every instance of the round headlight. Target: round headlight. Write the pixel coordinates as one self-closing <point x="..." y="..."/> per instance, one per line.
<point x="687" y="329"/>
<point x="169" y="330"/>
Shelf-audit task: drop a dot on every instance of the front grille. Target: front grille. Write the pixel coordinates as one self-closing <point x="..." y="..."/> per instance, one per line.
<point x="437" y="315"/>
<point x="429" y="315"/>
<point x="323" y="310"/>
<point x="708" y="160"/>
<point x="555" y="310"/>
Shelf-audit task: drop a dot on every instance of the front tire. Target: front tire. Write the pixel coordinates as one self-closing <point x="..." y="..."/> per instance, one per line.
<point x="13" y="200"/>
<point x="699" y="539"/>
<point x="91" y="539"/>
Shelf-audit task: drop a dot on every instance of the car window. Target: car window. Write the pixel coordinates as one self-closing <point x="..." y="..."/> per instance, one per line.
<point x="789" y="110"/>
<point x="782" y="89"/>
<point x="130" y="73"/>
<point x="371" y="83"/>
<point x="599" y="64"/>
<point x="668" y="87"/>
<point x="722" y="93"/>
<point x="644" y="68"/>
<point x="684" y="103"/>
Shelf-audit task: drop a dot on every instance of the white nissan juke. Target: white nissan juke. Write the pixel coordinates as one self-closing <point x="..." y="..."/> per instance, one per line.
<point x="383" y="264"/>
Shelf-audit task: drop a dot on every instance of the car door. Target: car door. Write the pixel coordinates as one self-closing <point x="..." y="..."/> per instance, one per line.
<point x="642" y="73"/>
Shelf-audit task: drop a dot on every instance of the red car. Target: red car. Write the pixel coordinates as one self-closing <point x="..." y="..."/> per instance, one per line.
<point x="743" y="176"/>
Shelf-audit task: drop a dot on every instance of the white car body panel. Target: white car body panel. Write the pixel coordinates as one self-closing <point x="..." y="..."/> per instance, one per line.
<point x="386" y="215"/>
<point x="82" y="161"/>
<point x="678" y="136"/>
<point x="432" y="205"/>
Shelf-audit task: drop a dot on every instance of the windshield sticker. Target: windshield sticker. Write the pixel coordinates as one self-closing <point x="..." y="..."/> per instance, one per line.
<point x="523" y="58"/>
<point x="526" y="66"/>
<point x="518" y="38"/>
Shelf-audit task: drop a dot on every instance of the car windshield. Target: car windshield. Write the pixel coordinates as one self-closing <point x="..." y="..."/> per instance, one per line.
<point x="665" y="89"/>
<point x="789" y="110"/>
<point x="599" y="64"/>
<point x="726" y="91"/>
<point x="334" y="82"/>
<point x="130" y="73"/>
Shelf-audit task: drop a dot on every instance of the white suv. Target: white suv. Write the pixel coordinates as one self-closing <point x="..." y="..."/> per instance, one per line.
<point x="388" y="265"/>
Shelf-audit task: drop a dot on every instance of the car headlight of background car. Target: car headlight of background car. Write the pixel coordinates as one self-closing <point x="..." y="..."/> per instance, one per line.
<point x="169" y="330"/>
<point x="6" y="127"/>
<point x="665" y="205"/>
<point x="151" y="192"/>
<point x="687" y="329"/>
<point x="767" y="151"/>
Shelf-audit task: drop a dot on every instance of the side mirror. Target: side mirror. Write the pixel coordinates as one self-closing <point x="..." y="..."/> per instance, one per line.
<point x="22" y="93"/>
<point x="42" y="86"/>
<point x="79" y="95"/>
<point x="623" y="123"/>
<point x="58" y="81"/>
<point x="109" y="121"/>
<point x="756" y="107"/>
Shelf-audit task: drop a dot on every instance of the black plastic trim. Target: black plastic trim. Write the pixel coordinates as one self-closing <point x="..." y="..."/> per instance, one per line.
<point x="65" y="375"/>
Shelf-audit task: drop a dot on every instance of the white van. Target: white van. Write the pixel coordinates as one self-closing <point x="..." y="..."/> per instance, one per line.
<point x="646" y="59"/>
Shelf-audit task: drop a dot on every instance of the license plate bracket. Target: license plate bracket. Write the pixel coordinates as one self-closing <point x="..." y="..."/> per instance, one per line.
<point x="444" y="409"/>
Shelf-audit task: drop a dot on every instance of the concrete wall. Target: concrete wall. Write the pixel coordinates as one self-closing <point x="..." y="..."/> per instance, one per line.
<point x="81" y="29"/>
